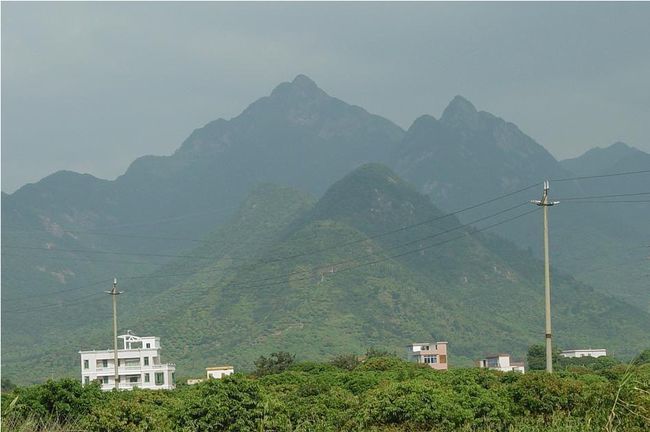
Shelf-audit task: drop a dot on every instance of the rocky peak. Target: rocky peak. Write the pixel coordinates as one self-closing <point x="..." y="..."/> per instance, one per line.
<point x="460" y="111"/>
<point x="302" y="87"/>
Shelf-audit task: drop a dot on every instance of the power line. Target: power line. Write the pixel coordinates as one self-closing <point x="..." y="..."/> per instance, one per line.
<point x="107" y="235"/>
<point x="85" y="251"/>
<point x="365" y="238"/>
<point x="602" y="175"/>
<point x="609" y="202"/>
<point x="459" y="226"/>
<point x="56" y="292"/>
<point x="61" y="258"/>
<point x="81" y="300"/>
<point x="84" y="299"/>
<point x="463" y="236"/>
<point x="605" y="196"/>
<point x="456" y="228"/>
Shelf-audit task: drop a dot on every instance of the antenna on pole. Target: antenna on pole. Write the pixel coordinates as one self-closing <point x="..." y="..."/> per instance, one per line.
<point x="545" y="203"/>
<point x="114" y="293"/>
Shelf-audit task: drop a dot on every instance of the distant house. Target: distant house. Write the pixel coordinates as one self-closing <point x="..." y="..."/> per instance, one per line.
<point x="589" y="352"/>
<point x="218" y="372"/>
<point x="501" y="362"/>
<point x="139" y="365"/>
<point x="214" y="372"/>
<point x="433" y="354"/>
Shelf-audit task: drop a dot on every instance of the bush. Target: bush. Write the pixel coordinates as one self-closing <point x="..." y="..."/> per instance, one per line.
<point x="345" y="361"/>
<point x="63" y="400"/>
<point x="275" y="363"/>
<point x="418" y="403"/>
<point x="233" y="403"/>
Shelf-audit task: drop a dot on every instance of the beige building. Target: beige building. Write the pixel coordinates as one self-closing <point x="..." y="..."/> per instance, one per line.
<point x="433" y="354"/>
<point x="214" y="372"/>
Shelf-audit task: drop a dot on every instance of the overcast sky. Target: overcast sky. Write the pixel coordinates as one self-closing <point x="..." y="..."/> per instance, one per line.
<point x="91" y="86"/>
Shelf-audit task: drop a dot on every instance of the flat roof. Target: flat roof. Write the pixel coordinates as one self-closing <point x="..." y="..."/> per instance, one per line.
<point x="219" y="368"/>
<point x="426" y="343"/>
<point x="119" y="350"/>
<point x="585" y="349"/>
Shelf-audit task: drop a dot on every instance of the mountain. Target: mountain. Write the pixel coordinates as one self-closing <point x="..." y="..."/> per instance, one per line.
<point x="601" y="160"/>
<point x="358" y="268"/>
<point x="471" y="156"/>
<point x="65" y="237"/>
<point x="620" y="262"/>
<point x="79" y="321"/>
<point x="71" y="232"/>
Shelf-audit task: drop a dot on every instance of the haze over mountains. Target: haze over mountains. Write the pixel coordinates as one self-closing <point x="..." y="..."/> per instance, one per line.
<point x="64" y="237"/>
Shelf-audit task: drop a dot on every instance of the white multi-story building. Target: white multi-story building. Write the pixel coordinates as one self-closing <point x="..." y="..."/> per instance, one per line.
<point x="433" y="354"/>
<point x="501" y="362"/>
<point x="139" y="365"/>
<point x="590" y="352"/>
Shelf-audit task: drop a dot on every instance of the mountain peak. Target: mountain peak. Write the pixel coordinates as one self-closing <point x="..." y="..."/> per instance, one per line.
<point x="371" y="198"/>
<point x="301" y="87"/>
<point x="459" y="110"/>
<point x="619" y="146"/>
<point x="303" y="81"/>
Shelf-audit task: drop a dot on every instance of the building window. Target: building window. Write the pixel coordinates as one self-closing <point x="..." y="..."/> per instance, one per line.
<point x="105" y="380"/>
<point x="160" y="378"/>
<point x="146" y="377"/>
<point x="86" y="380"/>
<point x="133" y="379"/>
<point x="146" y="361"/>
<point x="105" y="363"/>
<point x="86" y="364"/>
<point x="148" y="345"/>
<point x="173" y="377"/>
<point x="430" y="359"/>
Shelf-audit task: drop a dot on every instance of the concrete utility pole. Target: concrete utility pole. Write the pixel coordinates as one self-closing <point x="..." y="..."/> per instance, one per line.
<point x="114" y="293"/>
<point x="545" y="203"/>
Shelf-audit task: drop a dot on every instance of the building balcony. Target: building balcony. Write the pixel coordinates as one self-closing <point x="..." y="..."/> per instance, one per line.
<point x="126" y="370"/>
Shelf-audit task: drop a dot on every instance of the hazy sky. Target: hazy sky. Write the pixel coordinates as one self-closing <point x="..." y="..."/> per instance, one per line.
<point x="91" y="86"/>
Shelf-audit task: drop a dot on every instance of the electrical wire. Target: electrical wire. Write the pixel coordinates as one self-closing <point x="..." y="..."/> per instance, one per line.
<point x="603" y="196"/>
<point x="601" y="175"/>
<point x="85" y="298"/>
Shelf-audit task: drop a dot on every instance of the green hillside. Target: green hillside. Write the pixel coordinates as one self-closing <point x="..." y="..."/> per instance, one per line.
<point x="303" y="294"/>
<point x="341" y="275"/>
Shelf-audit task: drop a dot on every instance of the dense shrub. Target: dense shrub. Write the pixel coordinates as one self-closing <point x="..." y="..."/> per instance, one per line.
<point x="418" y="403"/>
<point x="382" y="394"/>
<point x="233" y="403"/>
<point x="62" y="400"/>
<point x="133" y="411"/>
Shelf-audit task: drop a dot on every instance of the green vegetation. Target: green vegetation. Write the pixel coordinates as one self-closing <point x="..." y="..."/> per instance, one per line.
<point x="381" y="394"/>
<point x="291" y="274"/>
<point x="536" y="360"/>
<point x="65" y="238"/>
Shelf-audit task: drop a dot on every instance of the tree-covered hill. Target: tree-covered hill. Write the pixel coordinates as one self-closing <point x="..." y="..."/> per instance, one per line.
<point x="65" y="237"/>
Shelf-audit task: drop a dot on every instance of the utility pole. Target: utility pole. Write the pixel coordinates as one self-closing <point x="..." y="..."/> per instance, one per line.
<point x="545" y="203"/>
<point x="114" y="293"/>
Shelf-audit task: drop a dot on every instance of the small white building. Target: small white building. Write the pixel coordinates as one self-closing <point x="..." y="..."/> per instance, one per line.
<point x="501" y="362"/>
<point x="433" y="354"/>
<point x="139" y="365"/>
<point x="213" y="372"/>
<point x="590" y="352"/>
<point x="218" y="372"/>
